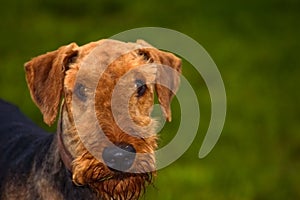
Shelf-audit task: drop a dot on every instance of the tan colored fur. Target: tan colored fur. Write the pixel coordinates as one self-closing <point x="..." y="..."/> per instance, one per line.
<point x="55" y="75"/>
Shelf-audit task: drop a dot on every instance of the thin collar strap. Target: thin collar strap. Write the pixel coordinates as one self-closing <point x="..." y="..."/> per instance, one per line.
<point x="65" y="155"/>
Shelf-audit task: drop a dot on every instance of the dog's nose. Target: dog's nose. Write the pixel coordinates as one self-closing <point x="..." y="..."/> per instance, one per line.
<point x="119" y="157"/>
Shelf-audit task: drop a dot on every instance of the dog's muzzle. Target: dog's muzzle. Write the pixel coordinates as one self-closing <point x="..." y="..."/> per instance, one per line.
<point x="119" y="157"/>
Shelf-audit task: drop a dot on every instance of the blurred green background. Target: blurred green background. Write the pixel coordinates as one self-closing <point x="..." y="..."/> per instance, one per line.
<point x="256" y="46"/>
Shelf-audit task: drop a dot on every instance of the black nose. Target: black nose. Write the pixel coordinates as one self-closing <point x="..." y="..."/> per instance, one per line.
<point x="119" y="157"/>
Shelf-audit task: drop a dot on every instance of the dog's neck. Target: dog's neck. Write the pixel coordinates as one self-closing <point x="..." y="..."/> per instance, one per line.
<point x="65" y="155"/>
<point x="65" y="137"/>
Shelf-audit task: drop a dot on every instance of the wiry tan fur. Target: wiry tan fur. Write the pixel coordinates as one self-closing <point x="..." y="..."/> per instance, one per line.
<point x="55" y="75"/>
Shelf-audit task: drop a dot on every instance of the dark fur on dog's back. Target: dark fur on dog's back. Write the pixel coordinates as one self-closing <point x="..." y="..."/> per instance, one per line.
<point x="27" y="149"/>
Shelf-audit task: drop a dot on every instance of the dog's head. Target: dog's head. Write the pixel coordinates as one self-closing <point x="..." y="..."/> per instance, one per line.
<point x="108" y="90"/>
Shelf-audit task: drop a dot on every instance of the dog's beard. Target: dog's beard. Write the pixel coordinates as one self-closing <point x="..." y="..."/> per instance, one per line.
<point x="122" y="186"/>
<point x="111" y="184"/>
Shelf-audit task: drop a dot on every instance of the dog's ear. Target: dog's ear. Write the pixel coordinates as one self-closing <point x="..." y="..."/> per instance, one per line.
<point x="168" y="76"/>
<point x="45" y="76"/>
<point x="168" y="79"/>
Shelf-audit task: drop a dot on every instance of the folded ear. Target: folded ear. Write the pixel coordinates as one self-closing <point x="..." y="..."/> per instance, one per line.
<point x="168" y="76"/>
<point x="45" y="76"/>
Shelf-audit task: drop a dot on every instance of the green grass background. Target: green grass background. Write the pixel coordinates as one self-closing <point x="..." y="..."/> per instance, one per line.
<point x="254" y="43"/>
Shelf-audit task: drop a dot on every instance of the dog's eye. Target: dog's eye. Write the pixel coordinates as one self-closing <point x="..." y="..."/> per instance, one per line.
<point x="141" y="87"/>
<point x="80" y="91"/>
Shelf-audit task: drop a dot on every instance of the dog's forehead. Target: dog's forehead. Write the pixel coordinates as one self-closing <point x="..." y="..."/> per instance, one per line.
<point x="107" y="50"/>
<point x="99" y="55"/>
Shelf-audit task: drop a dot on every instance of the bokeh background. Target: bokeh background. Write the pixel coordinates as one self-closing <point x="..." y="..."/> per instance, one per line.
<point x="256" y="46"/>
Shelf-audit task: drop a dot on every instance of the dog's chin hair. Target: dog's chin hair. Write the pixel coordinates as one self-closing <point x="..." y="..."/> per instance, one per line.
<point x="108" y="184"/>
<point x="123" y="186"/>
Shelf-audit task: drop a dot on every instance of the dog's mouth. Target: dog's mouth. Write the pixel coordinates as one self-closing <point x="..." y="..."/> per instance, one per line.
<point x="121" y="185"/>
<point x="123" y="171"/>
<point x="121" y="164"/>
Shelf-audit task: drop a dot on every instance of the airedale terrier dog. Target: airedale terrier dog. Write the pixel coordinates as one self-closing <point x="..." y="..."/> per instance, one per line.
<point x="104" y="146"/>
